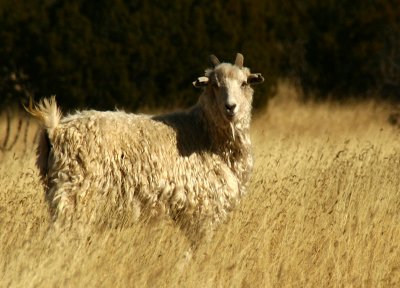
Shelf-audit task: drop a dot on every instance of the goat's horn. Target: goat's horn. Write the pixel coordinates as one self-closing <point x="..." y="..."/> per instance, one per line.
<point x="214" y="60"/>
<point x="239" y="60"/>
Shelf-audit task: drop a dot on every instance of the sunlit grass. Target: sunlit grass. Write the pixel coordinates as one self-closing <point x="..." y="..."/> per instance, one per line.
<point x="323" y="209"/>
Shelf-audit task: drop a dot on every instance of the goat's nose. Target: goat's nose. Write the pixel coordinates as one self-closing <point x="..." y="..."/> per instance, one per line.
<point x="230" y="107"/>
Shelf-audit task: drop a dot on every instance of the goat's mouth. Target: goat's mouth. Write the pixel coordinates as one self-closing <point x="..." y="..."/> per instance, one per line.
<point x="230" y="114"/>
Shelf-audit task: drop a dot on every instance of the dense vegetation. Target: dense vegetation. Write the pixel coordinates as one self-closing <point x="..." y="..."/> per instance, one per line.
<point x="134" y="54"/>
<point x="322" y="210"/>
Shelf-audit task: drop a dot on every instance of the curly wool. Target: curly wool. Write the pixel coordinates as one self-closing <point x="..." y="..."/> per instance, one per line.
<point x="190" y="165"/>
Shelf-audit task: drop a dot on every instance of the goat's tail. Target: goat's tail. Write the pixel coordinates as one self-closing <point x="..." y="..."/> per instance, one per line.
<point x="49" y="115"/>
<point x="46" y="111"/>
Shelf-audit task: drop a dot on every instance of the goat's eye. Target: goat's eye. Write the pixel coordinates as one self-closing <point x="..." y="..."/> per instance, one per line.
<point x="244" y="84"/>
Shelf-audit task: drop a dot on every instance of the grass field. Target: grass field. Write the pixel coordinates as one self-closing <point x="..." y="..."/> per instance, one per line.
<point x="323" y="210"/>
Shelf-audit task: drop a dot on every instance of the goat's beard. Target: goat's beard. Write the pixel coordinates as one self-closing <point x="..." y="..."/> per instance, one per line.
<point x="233" y="129"/>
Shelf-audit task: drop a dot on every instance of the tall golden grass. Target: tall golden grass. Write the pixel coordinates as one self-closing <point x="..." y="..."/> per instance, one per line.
<point x="322" y="210"/>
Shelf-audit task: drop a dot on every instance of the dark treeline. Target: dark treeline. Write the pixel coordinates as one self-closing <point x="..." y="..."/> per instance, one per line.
<point x="132" y="54"/>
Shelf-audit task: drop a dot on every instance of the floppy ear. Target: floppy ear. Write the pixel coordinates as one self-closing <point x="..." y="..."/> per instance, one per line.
<point x="255" y="78"/>
<point x="201" y="82"/>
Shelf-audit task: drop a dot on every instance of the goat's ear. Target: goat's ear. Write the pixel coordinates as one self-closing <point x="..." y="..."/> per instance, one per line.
<point x="255" y="78"/>
<point x="201" y="82"/>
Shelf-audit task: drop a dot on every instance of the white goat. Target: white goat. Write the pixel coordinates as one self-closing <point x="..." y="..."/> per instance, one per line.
<point x="192" y="165"/>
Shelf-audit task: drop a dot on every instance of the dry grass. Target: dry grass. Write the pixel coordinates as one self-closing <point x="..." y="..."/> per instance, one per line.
<point x="323" y="210"/>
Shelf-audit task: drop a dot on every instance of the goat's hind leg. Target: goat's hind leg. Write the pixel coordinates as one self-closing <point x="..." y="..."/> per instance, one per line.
<point x="61" y="201"/>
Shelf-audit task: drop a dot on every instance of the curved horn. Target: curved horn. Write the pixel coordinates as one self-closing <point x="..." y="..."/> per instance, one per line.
<point x="214" y="60"/>
<point x="239" y="60"/>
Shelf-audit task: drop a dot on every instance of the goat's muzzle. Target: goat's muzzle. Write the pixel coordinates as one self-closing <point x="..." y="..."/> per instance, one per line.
<point x="230" y="110"/>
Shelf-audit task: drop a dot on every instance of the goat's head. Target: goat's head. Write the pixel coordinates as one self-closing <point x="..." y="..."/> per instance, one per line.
<point x="228" y="94"/>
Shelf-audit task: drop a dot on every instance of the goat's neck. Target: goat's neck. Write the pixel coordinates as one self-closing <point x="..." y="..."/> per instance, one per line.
<point x="235" y="148"/>
<point x="232" y="143"/>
